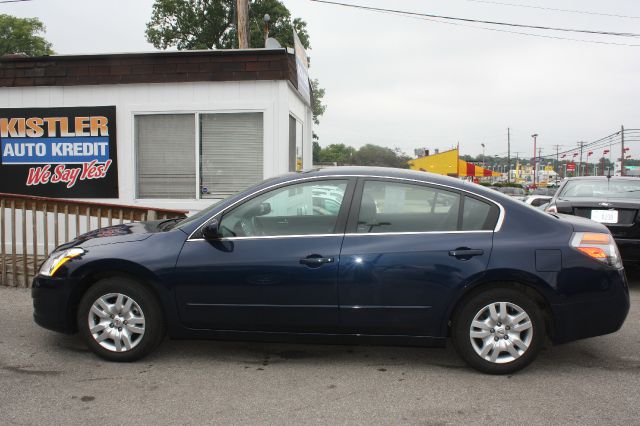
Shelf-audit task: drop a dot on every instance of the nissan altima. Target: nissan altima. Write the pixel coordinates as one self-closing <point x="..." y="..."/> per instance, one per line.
<point x="343" y="255"/>
<point x="613" y="201"/>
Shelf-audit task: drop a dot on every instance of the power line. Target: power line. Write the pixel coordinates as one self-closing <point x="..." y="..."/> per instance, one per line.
<point x="13" y="1"/>
<point x="605" y="142"/>
<point x="583" y="12"/>
<point x="478" y="21"/>
<point x="515" y="32"/>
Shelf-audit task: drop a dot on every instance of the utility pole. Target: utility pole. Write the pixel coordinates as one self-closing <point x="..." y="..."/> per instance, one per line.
<point x="243" y="23"/>
<point x="622" y="156"/>
<point x="535" y="137"/>
<point x="580" y="164"/>
<point x="540" y="163"/>
<point x="508" y="155"/>
<point x="557" y="147"/>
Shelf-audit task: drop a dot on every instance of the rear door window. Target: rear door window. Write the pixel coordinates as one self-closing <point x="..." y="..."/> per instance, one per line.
<point x="478" y="215"/>
<point x="400" y="207"/>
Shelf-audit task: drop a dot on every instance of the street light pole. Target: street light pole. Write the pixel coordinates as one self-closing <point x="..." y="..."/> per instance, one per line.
<point x="482" y="155"/>
<point x="508" y="153"/>
<point x="535" y="137"/>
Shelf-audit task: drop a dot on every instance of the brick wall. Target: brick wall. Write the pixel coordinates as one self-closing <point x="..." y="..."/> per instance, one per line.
<point x="161" y="67"/>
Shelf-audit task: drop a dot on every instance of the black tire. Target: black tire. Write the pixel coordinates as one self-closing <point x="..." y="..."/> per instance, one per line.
<point x="148" y="304"/>
<point x="461" y="331"/>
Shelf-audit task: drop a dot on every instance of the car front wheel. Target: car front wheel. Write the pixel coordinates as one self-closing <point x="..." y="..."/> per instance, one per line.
<point x="498" y="331"/>
<point x="120" y="319"/>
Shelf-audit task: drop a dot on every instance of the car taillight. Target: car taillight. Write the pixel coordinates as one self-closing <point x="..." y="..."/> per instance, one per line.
<point x="598" y="246"/>
<point x="552" y="209"/>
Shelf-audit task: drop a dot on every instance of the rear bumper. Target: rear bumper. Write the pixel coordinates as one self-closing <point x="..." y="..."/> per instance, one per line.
<point x="51" y="304"/>
<point x="602" y="314"/>
<point x="629" y="249"/>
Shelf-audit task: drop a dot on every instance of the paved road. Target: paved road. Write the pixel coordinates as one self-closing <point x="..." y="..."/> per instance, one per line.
<point x="47" y="378"/>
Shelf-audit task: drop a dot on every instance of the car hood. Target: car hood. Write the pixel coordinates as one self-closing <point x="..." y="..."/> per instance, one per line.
<point x="136" y="231"/>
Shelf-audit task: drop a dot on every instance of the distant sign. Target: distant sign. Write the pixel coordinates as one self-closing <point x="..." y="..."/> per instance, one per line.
<point x="302" y="69"/>
<point x="59" y="152"/>
<point x="571" y="167"/>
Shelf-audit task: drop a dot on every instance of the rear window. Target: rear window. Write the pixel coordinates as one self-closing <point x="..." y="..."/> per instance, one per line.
<point x="601" y="188"/>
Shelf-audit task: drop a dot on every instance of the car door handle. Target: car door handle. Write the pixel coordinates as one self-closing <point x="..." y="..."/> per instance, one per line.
<point x="465" y="253"/>
<point x="315" y="261"/>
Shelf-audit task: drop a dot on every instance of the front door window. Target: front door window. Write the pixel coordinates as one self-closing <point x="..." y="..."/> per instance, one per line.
<point x="309" y="208"/>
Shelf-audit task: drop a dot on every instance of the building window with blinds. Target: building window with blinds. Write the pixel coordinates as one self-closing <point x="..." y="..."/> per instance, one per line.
<point x="166" y="158"/>
<point x="231" y="152"/>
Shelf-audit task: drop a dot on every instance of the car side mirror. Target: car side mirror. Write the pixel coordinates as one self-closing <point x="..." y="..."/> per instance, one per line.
<point x="265" y="208"/>
<point x="259" y="210"/>
<point x="212" y="230"/>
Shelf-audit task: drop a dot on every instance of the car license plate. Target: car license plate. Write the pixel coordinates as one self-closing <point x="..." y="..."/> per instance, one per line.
<point x="605" y="216"/>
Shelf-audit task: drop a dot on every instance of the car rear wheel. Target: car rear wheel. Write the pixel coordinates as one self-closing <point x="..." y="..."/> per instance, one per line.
<point x="498" y="331"/>
<point x="120" y="319"/>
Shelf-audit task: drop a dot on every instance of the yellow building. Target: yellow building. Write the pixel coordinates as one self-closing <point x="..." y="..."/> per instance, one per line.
<point x="449" y="163"/>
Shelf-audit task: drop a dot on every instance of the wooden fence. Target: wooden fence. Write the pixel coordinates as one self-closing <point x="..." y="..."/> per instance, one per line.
<point x="32" y="227"/>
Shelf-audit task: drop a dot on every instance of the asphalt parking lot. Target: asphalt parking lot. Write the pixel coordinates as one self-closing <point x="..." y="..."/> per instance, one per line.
<point x="48" y="378"/>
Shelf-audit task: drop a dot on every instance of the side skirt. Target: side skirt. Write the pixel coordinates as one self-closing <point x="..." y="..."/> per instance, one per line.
<point x="319" y="338"/>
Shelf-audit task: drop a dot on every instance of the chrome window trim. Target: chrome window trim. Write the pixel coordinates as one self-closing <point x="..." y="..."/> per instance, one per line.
<point x="271" y="237"/>
<point x="497" y="228"/>
<point x="361" y="234"/>
<point x="357" y="234"/>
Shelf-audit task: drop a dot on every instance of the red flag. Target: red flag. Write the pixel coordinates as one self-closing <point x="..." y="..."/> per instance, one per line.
<point x="606" y="151"/>
<point x="575" y="155"/>
<point x="563" y="155"/>
<point x="589" y="153"/>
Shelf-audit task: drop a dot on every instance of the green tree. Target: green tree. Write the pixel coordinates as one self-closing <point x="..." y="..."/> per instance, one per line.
<point x="337" y="153"/>
<point x="317" y="106"/>
<point x="211" y="24"/>
<point x="317" y="149"/>
<point x="374" y="155"/>
<point x="21" y="35"/>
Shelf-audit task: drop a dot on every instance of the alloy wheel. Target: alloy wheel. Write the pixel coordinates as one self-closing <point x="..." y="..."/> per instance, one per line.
<point x="501" y="332"/>
<point x="116" y="322"/>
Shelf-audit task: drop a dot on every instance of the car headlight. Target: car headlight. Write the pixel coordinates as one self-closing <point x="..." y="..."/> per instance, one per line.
<point x="57" y="259"/>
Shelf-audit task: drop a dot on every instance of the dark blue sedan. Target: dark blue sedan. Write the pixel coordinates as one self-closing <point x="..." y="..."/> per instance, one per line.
<point x="347" y="255"/>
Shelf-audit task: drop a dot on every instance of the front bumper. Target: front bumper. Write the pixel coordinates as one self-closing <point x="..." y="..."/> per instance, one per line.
<point x="602" y="314"/>
<point x="52" y="307"/>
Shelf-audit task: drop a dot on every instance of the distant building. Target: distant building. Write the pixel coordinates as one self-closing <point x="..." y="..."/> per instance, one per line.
<point x="449" y="163"/>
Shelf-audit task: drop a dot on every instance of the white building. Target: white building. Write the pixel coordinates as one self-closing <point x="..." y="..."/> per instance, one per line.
<point x="183" y="128"/>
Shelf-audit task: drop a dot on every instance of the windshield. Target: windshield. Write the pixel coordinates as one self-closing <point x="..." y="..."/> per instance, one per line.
<point x="193" y="218"/>
<point x="601" y="188"/>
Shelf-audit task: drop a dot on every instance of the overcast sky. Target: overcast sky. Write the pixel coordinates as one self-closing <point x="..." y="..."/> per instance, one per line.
<point x="408" y="83"/>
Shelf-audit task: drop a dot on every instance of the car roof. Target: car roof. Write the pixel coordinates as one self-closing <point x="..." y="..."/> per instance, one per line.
<point x="383" y="172"/>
